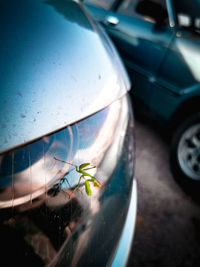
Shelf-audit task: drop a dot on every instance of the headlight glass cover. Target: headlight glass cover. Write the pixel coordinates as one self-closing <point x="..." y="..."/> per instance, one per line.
<point x="30" y="171"/>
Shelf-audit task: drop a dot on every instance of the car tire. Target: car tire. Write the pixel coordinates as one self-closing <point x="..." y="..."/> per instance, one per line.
<point x="185" y="153"/>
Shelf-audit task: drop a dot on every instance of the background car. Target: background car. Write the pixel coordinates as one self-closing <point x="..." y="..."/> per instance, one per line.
<point x="63" y="100"/>
<point x="159" y="42"/>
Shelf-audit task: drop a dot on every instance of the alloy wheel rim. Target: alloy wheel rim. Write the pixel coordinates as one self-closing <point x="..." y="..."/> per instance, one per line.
<point x="189" y="152"/>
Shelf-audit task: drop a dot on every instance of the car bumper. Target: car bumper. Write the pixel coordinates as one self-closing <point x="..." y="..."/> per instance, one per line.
<point x="123" y="250"/>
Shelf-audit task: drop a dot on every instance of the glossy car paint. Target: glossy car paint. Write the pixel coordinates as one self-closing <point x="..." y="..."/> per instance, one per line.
<point x="42" y="220"/>
<point x="162" y="61"/>
<point x="54" y="39"/>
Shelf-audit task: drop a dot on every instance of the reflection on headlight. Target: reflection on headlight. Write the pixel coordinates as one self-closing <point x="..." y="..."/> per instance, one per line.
<point x="30" y="171"/>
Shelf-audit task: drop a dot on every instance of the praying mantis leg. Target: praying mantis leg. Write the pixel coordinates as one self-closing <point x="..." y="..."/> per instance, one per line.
<point x="78" y="183"/>
<point x="67" y="163"/>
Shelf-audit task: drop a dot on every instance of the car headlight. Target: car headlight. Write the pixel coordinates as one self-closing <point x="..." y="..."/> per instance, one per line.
<point x="29" y="171"/>
<point x="38" y="206"/>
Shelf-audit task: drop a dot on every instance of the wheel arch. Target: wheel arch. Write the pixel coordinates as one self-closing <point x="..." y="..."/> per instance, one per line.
<point x="185" y="109"/>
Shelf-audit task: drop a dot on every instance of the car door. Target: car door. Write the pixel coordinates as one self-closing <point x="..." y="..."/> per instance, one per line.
<point x="142" y="44"/>
<point x="178" y="79"/>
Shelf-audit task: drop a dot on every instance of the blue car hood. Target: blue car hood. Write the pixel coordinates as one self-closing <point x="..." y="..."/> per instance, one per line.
<point x="57" y="66"/>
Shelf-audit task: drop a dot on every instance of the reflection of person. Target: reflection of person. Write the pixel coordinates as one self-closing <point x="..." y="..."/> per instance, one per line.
<point x="55" y="215"/>
<point x="34" y="232"/>
<point x="15" y="251"/>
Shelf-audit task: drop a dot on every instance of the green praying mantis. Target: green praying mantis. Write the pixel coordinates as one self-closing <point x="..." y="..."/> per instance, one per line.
<point x="82" y="170"/>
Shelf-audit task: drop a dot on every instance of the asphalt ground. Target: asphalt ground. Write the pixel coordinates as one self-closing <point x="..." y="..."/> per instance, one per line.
<point x="167" y="230"/>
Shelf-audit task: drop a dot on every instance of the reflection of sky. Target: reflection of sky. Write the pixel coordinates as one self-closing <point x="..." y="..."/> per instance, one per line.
<point x="184" y="20"/>
<point x="191" y="56"/>
<point x="197" y="23"/>
<point x="103" y="137"/>
<point x="89" y="128"/>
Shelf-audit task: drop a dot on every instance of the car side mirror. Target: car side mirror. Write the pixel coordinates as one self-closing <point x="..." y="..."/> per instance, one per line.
<point x="153" y="10"/>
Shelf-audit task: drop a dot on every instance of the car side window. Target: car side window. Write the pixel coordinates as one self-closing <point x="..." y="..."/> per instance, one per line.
<point x="105" y="4"/>
<point x="133" y="8"/>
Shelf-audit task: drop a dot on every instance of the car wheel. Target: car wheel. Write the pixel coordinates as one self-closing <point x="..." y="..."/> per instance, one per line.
<point x="185" y="152"/>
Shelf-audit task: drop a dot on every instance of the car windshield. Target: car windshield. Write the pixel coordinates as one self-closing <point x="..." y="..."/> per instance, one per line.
<point x="188" y="14"/>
